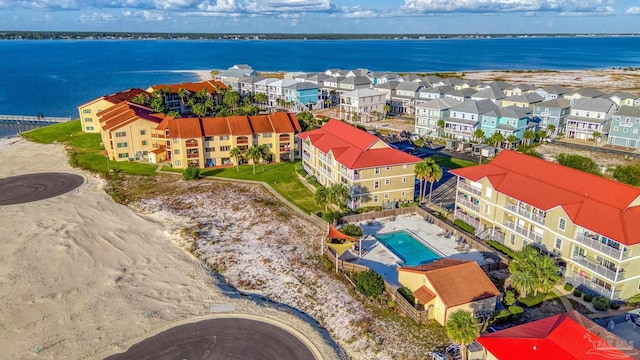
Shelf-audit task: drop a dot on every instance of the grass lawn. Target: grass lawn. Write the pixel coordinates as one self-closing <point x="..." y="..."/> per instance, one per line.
<point x="452" y="163"/>
<point x="84" y="150"/>
<point x="282" y="178"/>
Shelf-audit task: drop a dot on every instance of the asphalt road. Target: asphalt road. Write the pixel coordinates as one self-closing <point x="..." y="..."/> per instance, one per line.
<point x="33" y="187"/>
<point x="220" y="339"/>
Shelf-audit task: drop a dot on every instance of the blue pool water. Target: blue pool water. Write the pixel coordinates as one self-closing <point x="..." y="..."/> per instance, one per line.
<point x="411" y="251"/>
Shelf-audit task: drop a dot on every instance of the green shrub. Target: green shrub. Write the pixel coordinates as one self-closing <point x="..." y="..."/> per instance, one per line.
<point x="532" y="300"/>
<point x="501" y="248"/>
<point x="369" y="283"/>
<point x="516" y="312"/>
<point x="509" y="298"/>
<point x="464" y="226"/>
<point x="568" y="287"/>
<point x="366" y="209"/>
<point x="191" y="173"/>
<point x="409" y="204"/>
<point x="500" y="317"/>
<point x="615" y="305"/>
<point x="407" y="294"/>
<point x="352" y="230"/>
<point x="601" y="303"/>
<point x="587" y="297"/>
<point x="577" y="293"/>
<point x="330" y="215"/>
<point x="634" y="300"/>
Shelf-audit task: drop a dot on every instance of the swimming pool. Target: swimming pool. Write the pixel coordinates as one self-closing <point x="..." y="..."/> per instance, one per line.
<point x="411" y="251"/>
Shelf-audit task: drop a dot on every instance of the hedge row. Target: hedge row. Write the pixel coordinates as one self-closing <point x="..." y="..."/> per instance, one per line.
<point x="532" y="300"/>
<point x="501" y="248"/>
<point x="464" y="226"/>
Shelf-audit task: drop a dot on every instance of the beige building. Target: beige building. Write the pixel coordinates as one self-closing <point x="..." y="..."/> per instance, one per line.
<point x="376" y="174"/>
<point x="89" y="111"/>
<point x="588" y="222"/>
<point x="207" y="142"/>
<point x="447" y="285"/>
<point x="362" y="105"/>
<point x="126" y="129"/>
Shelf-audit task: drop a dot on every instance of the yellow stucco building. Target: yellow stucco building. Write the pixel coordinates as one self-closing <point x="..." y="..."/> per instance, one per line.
<point x="89" y="111"/>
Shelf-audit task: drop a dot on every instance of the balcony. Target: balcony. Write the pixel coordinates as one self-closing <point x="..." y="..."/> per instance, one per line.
<point x="468" y="204"/>
<point x="468" y="188"/>
<point x="577" y="280"/>
<point x="193" y="156"/>
<point x="497" y="236"/>
<point x="596" y="267"/>
<point x="468" y="219"/>
<point x="600" y="247"/>
<point x="537" y="238"/>
<point x="524" y="212"/>
<point x="350" y="175"/>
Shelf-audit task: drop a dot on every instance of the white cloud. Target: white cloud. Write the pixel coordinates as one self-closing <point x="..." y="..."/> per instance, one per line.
<point x="483" y="6"/>
<point x="146" y="15"/>
<point x="97" y="18"/>
<point x="633" y="11"/>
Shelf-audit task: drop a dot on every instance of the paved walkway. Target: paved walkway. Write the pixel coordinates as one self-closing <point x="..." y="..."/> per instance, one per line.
<point x="563" y="296"/>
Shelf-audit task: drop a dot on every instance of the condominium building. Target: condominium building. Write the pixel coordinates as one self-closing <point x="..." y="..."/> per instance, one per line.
<point x="588" y="222"/>
<point x="89" y="111"/>
<point x="362" y="105"/>
<point x="175" y="95"/>
<point x="376" y="174"/>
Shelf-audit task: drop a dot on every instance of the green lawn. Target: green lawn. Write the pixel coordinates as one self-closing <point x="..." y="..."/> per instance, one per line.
<point x="452" y="163"/>
<point x="280" y="176"/>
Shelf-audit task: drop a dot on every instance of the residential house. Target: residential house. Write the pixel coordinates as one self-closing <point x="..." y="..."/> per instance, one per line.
<point x="207" y="142"/>
<point x="625" y="127"/>
<point x="388" y="88"/>
<point x="447" y="285"/>
<point x="566" y="336"/>
<point x="358" y="72"/>
<point x="589" y="116"/>
<point x="376" y="174"/>
<point x="175" y="95"/>
<point x="303" y="95"/>
<point x="125" y="130"/>
<point x="378" y="78"/>
<point x="511" y="120"/>
<point x="519" y="89"/>
<point x="246" y="86"/>
<point x="552" y="112"/>
<point x="461" y="95"/>
<point x="526" y="100"/>
<point x="264" y="87"/>
<point x="621" y="98"/>
<point x="491" y="93"/>
<point x="88" y="118"/>
<point x="464" y="118"/>
<point x="589" y="223"/>
<point x="353" y="83"/>
<point x="404" y="100"/>
<point x="429" y="113"/>
<point x="231" y="77"/>
<point x="552" y="92"/>
<point x="434" y="92"/>
<point x="362" y="105"/>
<point x="331" y="86"/>
<point x="583" y="93"/>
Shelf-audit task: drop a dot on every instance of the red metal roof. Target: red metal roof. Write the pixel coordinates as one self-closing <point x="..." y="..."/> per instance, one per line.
<point x="568" y="336"/>
<point x="607" y="207"/>
<point x="231" y="125"/>
<point x="192" y="87"/>
<point x="118" y="97"/>
<point x="355" y="148"/>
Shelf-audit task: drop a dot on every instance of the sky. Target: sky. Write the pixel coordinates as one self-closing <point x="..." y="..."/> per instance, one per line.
<point x="324" y="16"/>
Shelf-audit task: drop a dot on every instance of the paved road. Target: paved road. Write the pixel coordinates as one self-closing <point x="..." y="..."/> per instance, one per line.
<point x="220" y="339"/>
<point x="33" y="187"/>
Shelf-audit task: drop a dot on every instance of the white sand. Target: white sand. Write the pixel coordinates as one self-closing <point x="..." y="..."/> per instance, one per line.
<point x="79" y="272"/>
<point x="202" y="74"/>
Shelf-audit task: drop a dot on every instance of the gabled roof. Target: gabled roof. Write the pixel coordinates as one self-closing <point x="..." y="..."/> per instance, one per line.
<point x="356" y="80"/>
<point x="278" y="122"/>
<point x="558" y="103"/>
<point x="632" y="111"/>
<point x="568" y="336"/>
<point x="118" y="97"/>
<point x="413" y="86"/>
<point x="439" y="103"/>
<point x="456" y="282"/>
<point x="593" y="104"/>
<point x="528" y="98"/>
<point x="475" y="106"/>
<point x="424" y="295"/>
<point x="391" y="85"/>
<point x="586" y="92"/>
<point x="555" y="89"/>
<point x="514" y="112"/>
<point x="607" y="207"/>
<point x="490" y="93"/>
<point x="359" y="93"/>
<point x="622" y="95"/>
<point x="125" y="113"/>
<point x="352" y="147"/>
<point x="192" y="87"/>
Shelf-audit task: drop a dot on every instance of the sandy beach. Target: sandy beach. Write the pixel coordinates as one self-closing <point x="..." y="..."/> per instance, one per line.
<point x="84" y="277"/>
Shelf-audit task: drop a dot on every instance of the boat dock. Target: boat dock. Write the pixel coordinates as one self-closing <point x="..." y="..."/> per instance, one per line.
<point x="32" y="120"/>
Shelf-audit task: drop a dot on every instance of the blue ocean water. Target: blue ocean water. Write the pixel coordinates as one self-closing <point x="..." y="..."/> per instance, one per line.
<point x="54" y="77"/>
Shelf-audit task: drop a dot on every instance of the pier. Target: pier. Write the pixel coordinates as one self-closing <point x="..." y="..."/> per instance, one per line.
<point x="32" y="120"/>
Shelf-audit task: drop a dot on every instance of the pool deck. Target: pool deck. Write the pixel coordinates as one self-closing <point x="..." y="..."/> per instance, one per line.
<point x="378" y="258"/>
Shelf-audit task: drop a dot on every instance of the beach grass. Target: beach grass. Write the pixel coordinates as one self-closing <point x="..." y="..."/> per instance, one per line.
<point x="452" y="163"/>
<point x="280" y="176"/>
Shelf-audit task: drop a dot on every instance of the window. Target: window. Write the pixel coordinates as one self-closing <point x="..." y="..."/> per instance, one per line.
<point x="615" y="128"/>
<point x="387" y="181"/>
<point x="386" y="195"/>
<point x="558" y="244"/>
<point x="176" y="151"/>
<point x="486" y="208"/>
<point x="562" y="224"/>
<point x="625" y="130"/>
<point x="122" y="145"/>
<point x="177" y="162"/>
<point x="635" y="131"/>
<point x="512" y="240"/>
<point x="209" y="138"/>
<point x="123" y="155"/>
<point x="210" y="149"/>
<point x="404" y="166"/>
<point x="225" y="148"/>
<point x="143" y="132"/>
<point x="267" y="135"/>
<point x="488" y="192"/>
<point x="376" y="198"/>
<point x="175" y="140"/>
<point x="121" y="134"/>
<point x="388" y="168"/>
<point x="89" y="128"/>
<point x="144" y="142"/>
<point x="376" y="171"/>
<point x="403" y="194"/>
<point x="404" y="179"/>
<point x="376" y="184"/>
<point x="224" y="137"/>
<point x="86" y="111"/>
<point x="88" y="120"/>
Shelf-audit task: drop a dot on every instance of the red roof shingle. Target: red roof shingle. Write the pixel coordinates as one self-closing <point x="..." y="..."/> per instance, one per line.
<point x="125" y="113"/>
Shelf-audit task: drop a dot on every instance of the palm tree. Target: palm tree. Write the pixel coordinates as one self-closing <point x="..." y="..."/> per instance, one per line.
<point x="596" y="136"/>
<point x="333" y="94"/>
<point x="199" y="109"/>
<point x="184" y="94"/>
<point x="529" y="135"/>
<point x="254" y="154"/>
<point x="440" y="126"/>
<point x="511" y="139"/>
<point x="236" y="154"/>
<point x="496" y="138"/>
<point x="462" y="329"/>
<point x="478" y="134"/>
<point x="321" y="197"/>
<point x="524" y="282"/>
<point x="422" y="170"/>
<point x="546" y="273"/>
<point x="387" y="108"/>
<point x="541" y="134"/>
<point x="339" y="194"/>
<point x="265" y="154"/>
<point x="261" y="98"/>
<point x="434" y="175"/>
<point x="375" y="114"/>
<point x="551" y="129"/>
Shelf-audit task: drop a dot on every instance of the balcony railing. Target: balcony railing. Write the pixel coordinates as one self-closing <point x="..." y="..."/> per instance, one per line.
<point x="577" y="280"/>
<point x="594" y="266"/>
<point x="523" y="231"/>
<point x="526" y="213"/>
<point x="193" y="156"/>
<point x="497" y="236"/>
<point x="468" y="204"/>
<point x="601" y="247"/>
<point x="468" y="219"/>
<point x="470" y="189"/>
